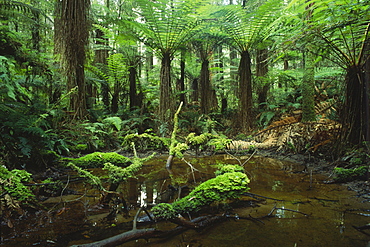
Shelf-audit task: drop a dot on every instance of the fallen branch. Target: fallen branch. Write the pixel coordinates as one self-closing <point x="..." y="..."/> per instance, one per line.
<point x="136" y="234"/>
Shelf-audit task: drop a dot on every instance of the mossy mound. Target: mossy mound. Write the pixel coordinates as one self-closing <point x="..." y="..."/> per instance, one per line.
<point x="347" y="175"/>
<point x="227" y="168"/>
<point x="98" y="159"/>
<point x="226" y="186"/>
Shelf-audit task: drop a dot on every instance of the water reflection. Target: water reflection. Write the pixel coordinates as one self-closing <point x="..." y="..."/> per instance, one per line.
<point x="329" y="210"/>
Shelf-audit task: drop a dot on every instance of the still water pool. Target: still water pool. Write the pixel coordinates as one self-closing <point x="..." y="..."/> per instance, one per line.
<point x="308" y="212"/>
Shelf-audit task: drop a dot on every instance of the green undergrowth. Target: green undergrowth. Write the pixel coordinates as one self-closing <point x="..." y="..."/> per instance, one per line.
<point x="12" y="188"/>
<point x="229" y="185"/>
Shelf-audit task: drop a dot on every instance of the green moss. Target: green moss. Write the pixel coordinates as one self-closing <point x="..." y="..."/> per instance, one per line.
<point x="346" y="175"/>
<point x="98" y="159"/>
<point x="225" y="168"/>
<point x="179" y="149"/>
<point x="119" y="174"/>
<point x="194" y="140"/>
<point x="164" y="211"/>
<point x="223" y="187"/>
<point x="145" y="142"/>
<point x="219" y="142"/>
<point x="91" y="179"/>
<point x="80" y="147"/>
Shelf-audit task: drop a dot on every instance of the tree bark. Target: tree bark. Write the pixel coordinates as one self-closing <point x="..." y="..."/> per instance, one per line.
<point x="204" y="83"/>
<point x="165" y="94"/>
<point x="308" y="88"/>
<point x="133" y="93"/>
<point x="135" y="234"/>
<point x="245" y="92"/>
<point x="74" y="38"/>
<point x="261" y="72"/>
<point x="356" y="107"/>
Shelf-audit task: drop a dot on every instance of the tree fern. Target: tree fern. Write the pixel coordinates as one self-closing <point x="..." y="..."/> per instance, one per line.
<point x="247" y="26"/>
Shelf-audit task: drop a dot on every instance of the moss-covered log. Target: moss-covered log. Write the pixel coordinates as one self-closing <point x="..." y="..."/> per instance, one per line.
<point x="226" y="186"/>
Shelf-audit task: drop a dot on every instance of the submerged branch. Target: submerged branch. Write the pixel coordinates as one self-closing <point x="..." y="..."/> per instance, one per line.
<point x="136" y="234"/>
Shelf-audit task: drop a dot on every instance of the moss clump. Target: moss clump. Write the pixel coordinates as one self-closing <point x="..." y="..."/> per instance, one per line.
<point x="227" y="168"/>
<point x="91" y="179"/>
<point x="223" y="187"/>
<point x="145" y="142"/>
<point x="98" y="159"/>
<point x="164" y="211"/>
<point x="346" y="175"/>
<point x="119" y="174"/>
<point x="207" y="141"/>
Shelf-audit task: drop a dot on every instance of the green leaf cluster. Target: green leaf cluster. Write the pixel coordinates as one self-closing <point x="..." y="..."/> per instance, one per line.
<point x="12" y="183"/>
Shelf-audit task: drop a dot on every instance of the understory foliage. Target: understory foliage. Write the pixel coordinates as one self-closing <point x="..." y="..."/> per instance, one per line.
<point x="230" y="184"/>
<point x="12" y="184"/>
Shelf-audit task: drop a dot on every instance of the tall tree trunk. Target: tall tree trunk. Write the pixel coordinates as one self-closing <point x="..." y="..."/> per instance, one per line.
<point x="308" y="88"/>
<point x="356" y="107"/>
<point x="115" y="96"/>
<point x="165" y="94"/>
<point x="134" y="103"/>
<point x="74" y="38"/>
<point x="100" y="60"/>
<point x="245" y="92"/>
<point x="195" y="90"/>
<point x="261" y="72"/>
<point x="205" y="91"/>
<point x="35" y="30"/>
<point x="182" y="78"/>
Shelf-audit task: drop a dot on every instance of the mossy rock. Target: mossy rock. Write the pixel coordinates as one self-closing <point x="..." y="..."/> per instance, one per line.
<point x="347" y="175"/>
<point x="98" y="159"/>
<point x="223" y="187"/>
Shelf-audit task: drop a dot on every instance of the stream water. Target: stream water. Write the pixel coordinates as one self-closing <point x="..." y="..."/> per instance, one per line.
<point x="308" y="211"/>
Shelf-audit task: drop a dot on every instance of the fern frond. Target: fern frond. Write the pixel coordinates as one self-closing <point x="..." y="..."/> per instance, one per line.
<point x="248" y="27"/>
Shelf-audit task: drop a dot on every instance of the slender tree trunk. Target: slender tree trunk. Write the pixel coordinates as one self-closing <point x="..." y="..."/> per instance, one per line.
<point x="195" y="90"/>
<point x="133" y="93"/>
<point x="261" y="72"/>
<point x="204" y="83"/>
<point x="308" y="88"/>
<point x="182" y="78"/>
<point x="115" y="96"/>
<point x="165" y="97"/>
<point x="100" y="60"/>
<point x="35" y="30"/>
<point x="245" y="92"/>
